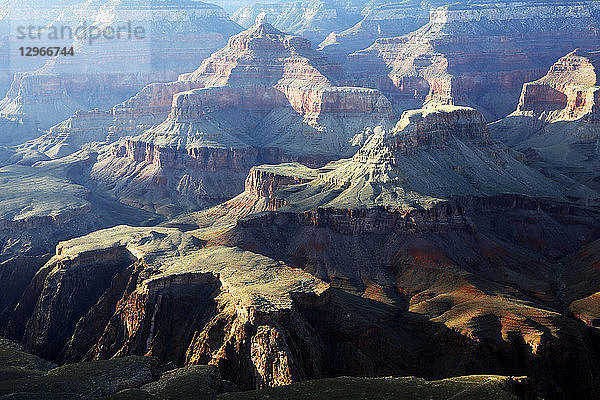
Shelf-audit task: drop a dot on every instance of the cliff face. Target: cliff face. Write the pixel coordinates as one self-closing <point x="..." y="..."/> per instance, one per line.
<point x="478" y="56"/>
<point x="159" y="292"/>
<point x="423" y="260"/>
<point x="417" y="130"/>
<point x="95" y="77"/>
<point x="556" y="121"/>
<point x="264" y="181"/>
<point x="266" y="97"/>
<point x="568" y="92"/>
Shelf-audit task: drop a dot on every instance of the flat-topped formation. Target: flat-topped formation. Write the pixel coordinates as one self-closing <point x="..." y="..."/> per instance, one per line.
<point x="557" y="121"/>
<point x="168" y="293"/>
<point x="435" y="126"/>
<point x="432" y="155"/>
<point x="569" y="91"/>
<point x="478" y="54"/>
<point x="256" y="281"/>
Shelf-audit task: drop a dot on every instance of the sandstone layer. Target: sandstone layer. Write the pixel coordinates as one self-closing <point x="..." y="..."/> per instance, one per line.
<point x="477" y="55"/>
<point x="266" y="97"/>
<point x="556" y="124"/>
<point x="436" y="218"/>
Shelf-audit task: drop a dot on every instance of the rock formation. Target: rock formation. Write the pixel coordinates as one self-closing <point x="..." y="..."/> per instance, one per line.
<point x="179" y="35"/>
<point x="434" y="217"/>
<point x="266" y="97"/>
<point x="568" y="92"/>
<point x="556" y="124"/>
<point x="41" y="205"/>
<point x="313" y="20"/>
<point x="162" y="293"/>
<point x="475" y="55"/>
<point x="380" y="21"/>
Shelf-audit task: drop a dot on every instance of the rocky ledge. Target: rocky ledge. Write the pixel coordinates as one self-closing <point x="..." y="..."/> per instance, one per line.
<point x="569" y="91"/>
<point x="265" y="98"/>
<point x="556" y="124"/>
<point x="477" y="55"/>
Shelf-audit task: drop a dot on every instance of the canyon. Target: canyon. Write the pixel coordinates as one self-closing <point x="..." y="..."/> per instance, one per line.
<point x="476" y="56"/>
<point x="333" y="198"/>
<point x="295" y="109"/>
<point x="102" y="74"/>
<point x="465" y="258"/>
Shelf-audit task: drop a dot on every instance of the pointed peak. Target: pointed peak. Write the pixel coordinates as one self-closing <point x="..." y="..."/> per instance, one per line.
<point x="261" y="19"/>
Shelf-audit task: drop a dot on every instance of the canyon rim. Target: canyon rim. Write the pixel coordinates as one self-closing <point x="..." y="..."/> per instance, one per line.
<point x="306" y="199"/>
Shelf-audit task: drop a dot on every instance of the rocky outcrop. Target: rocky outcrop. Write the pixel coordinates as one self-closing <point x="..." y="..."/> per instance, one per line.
<point x="98" y="78"/>
<point x="260" y="322"/>
<point x="265" y="98"/>
<point x="435" y="129"/>
<point x="267" y="343"/>
<point x="478" y="56"/>
<point x="556" y="121"/>
<point x="568" y="92"/>
<point x="264" y="181"/>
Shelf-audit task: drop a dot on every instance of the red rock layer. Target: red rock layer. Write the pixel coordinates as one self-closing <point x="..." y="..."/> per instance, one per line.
<point x="202" y="159"/>
<point x="570" y="89"/>
<point x="478" y="56"/>
<point x="265" y="183"/>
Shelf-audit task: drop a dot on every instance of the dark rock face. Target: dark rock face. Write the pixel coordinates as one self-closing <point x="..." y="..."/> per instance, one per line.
<point x="16" y="273"/>
<point x="187" y="305"/>
<point x="414" y="260"/>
